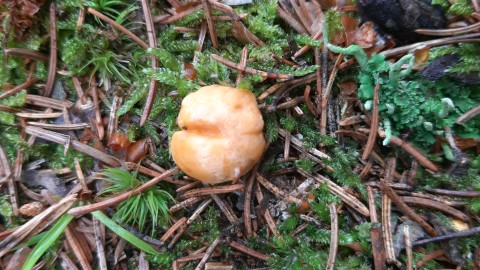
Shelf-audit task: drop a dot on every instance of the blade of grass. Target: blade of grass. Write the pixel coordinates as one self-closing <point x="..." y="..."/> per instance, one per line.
<point x="120" y="231"/>
<point x="47" y="240"/>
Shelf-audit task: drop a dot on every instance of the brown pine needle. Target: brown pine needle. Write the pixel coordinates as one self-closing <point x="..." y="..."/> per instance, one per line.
<point x="52" y="63"/>
<point x="252" y="71"/>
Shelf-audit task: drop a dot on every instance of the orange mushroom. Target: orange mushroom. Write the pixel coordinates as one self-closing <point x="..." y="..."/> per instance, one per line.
<point x="222" y="134"/>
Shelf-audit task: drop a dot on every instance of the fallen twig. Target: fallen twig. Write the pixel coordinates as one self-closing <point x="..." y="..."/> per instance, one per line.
<point x="226" y="209"/>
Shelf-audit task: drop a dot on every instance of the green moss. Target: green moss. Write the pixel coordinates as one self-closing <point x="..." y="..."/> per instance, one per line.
<point x="461" y="7"/>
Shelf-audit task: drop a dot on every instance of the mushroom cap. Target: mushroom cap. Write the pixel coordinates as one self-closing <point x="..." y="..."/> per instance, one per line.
<point x="222" y="134"/>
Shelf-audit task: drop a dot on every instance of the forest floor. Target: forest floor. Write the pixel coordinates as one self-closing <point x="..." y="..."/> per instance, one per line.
<point x="371" y="122"/>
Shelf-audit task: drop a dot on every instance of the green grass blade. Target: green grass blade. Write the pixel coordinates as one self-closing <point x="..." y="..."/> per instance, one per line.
<point x="120" y="231"/>
<point x="46" y="241"/>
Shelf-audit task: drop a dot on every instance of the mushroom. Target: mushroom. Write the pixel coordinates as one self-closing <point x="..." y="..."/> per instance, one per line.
<point x="222" y="134"/>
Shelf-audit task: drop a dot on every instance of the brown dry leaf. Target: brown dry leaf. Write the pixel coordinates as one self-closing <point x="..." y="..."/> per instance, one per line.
<point x="21" y="13"/>
<point x="421" y="54"/>
<point x="366" y="36"/>
<point x="350" y="28"/>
